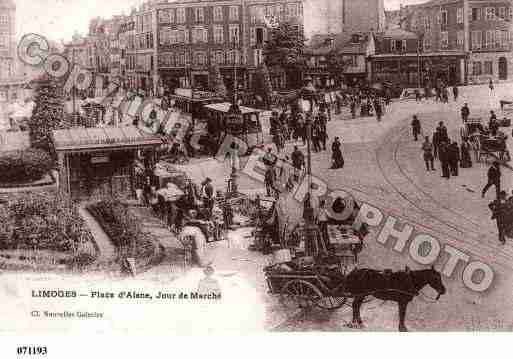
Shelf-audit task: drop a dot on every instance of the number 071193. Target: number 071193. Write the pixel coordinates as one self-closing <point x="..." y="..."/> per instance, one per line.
<point x="31" y="351"/>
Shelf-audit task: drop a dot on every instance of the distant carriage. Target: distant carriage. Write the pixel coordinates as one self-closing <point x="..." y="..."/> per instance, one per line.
<point x="482" y="144"/>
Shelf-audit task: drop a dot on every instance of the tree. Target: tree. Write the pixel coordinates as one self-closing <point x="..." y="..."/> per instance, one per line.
<point x="336" y="64"/>
<point x="284" y="50"/>
<point x="262" y="84"/>
<point x="48" y="113"/>
<point x="217" y="82"/>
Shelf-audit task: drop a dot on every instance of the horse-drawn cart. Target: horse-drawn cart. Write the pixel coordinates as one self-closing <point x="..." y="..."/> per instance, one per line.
<point x="307" y="285"/>
<point x="484" y="145"/>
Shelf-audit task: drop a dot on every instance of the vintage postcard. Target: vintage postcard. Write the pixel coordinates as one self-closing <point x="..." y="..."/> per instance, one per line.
<point x="255" y="166"/>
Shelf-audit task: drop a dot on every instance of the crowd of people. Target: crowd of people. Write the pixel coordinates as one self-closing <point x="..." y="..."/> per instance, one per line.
<point x="453" y="156"/>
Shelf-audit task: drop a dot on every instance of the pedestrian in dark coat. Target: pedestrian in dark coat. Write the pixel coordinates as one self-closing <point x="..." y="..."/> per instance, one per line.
<point x="427" y="148"/>
<point x="499" y="208"/>
<point x="454" y="158"/>
<point x="436" y="143"/>
<point x="444" y="136"/>
<point x="316" y="137"/>
<point x="494" y="179"/>
<point x="338" y="159"/>
<point x="455" y="92"/>
<point x="270" y="179"/>
<point x="465" y="112"/>
<point x="298" y="161"/>
<point x="443" y="155"/>
<point x="416" y="128"/>
<point x="466" y="160"/>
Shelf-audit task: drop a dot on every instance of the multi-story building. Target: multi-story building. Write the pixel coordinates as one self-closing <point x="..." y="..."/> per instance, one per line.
<point x="472" y="38"/>
<point x="353" y="51"/>
<point x="194" y="35"/>
<point x="7" y="38"/>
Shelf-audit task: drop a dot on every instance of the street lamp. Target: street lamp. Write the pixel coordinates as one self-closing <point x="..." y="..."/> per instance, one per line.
<point x="308" y="98"/>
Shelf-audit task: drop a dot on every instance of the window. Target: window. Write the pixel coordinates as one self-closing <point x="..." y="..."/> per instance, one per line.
<point x="427" y="23"/>
<point x="444" y="39"/>
<point x="459" y="15"/>
<point x="392" y="46"/>
<point x="426" y="44"/>
<point x="488" y="68"/>
<point x="476" y="40"/>
<point x="165" y="36"/>
<point x="182" y="36"/>
<point x="443" y="17"/>
<point x="489" y="39"/>
<point x="198" y="14"/>
<point x="476" y="68"/>
<point x="200" y="58"/>
<point x="497" y="39"/>
<point x="257" y="13"/>
<point x="234" y="34"/>
<point x="490" y="13"/>
<point x="502" y="12"/>
<point x="171" y="15"/>
<point x="218" y="34"/>
<point x="292" y="10"/>
<point x="504" y="38"/>
<point x="460" y="38"/>
<point x="234" y="13"/>
<point x="403" y="45"/>
<point x="199" y="34"/>
<point x="4" y="19"/>
<point x="219" y="57"/>
<point x="476" y="14"/>
<point x="218" y="13"/>
<point x="180" y="15"/>
<point x="511" y="13"/>
<point x="164" y="16"/>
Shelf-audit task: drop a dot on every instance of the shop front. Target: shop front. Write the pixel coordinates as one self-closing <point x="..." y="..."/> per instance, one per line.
<point x="100" y="161"/>
<point x="412" y="70"/>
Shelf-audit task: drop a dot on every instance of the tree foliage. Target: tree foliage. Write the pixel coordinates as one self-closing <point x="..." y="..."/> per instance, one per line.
<point x="336" y="64"/>
<point x="285" y="46"/>
<point x="262" y="86"/>
<point x="284" y="50"/>
<point x="41" y="221"/>
<point x="24" y="166"/>
<point x="48" y="113"/>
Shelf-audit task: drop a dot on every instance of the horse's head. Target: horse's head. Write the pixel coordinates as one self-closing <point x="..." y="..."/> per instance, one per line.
<point x="434" y="279"/>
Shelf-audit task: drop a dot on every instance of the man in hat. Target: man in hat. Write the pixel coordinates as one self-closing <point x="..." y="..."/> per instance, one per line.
<point x="207" y="193"/>
<point x="494" y="179"/>
<point x="499" y="213"/>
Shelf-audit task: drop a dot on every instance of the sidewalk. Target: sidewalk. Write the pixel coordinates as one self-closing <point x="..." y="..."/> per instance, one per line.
<point x="108" y="252"/>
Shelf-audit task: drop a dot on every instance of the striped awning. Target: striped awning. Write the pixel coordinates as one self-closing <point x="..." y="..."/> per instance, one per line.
<point x="85" y="139"/>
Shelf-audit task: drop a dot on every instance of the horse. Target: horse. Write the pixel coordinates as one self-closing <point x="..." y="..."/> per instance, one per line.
<point x="400" y="287"/>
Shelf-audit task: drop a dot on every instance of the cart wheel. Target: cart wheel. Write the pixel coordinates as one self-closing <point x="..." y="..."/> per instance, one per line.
<point x="299" y="293"/>
<point x="331" y="303"/>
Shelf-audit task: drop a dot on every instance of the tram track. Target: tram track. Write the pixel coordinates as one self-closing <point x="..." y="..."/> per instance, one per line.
<point x="394" y="175"/>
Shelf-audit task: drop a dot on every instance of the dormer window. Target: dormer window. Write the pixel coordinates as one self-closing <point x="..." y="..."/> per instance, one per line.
<point x="355" y="38"/>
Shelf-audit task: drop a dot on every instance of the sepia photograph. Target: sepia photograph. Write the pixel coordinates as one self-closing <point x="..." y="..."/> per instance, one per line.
<point x="198" y="167"/>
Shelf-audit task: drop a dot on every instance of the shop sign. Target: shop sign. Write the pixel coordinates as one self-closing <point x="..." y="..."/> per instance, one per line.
<point x="100" y="159"/>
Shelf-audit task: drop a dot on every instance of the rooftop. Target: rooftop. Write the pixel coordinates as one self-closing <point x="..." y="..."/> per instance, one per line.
<point x="77" y="139"/>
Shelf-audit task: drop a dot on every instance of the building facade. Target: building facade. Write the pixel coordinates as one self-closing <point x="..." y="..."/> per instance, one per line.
<point x="472" y="37"/>
<point x="194" y="36"/>
<point x="7" y="39"/>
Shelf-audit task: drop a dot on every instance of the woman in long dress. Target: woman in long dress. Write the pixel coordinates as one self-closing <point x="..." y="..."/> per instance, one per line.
<point x="466" y="160"/>
<point x="338" y="159"/>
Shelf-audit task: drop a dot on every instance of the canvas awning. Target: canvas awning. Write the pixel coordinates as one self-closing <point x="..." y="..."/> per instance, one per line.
<point x="225" y="107"/>
<point x="91" y="139"/>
